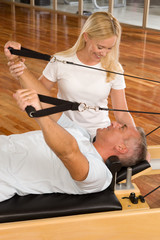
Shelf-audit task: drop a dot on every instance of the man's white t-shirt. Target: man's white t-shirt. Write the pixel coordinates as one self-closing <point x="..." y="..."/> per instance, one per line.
<point x="81" y="84"/>
<point x="29" y="166"/>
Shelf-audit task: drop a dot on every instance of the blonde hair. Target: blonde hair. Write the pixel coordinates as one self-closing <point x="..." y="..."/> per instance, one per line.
<point x="100" y="25"/>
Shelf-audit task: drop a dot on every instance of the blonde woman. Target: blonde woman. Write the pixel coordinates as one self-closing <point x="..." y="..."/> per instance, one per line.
<point x="98" y="47"/>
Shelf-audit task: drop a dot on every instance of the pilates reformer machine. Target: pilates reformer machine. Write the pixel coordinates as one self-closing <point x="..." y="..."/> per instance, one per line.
<point x="119" y="212"/>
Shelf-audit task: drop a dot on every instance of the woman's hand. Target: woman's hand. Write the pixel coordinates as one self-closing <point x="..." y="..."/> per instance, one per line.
<point x="17" y="69"/>
<point x="15" y="63"/>
<point x="27" y="97"/>
<point x="148" y="157"/>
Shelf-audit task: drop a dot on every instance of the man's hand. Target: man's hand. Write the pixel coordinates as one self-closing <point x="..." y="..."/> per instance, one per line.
<point x="7" y="53"/>
<point x="26" y="97"/>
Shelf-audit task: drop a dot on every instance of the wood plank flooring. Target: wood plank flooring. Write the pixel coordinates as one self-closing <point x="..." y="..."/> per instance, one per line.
<point x="146" y="184"/>
<point x="49" y="33"/>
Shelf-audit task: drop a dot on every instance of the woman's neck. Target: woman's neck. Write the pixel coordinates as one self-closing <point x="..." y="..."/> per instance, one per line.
<point x="85" y="58"/>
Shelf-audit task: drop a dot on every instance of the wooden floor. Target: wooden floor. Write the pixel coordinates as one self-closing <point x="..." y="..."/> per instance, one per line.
<point x="49" y="33"/>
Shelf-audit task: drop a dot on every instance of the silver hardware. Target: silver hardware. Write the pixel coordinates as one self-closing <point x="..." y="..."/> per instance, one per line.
<point x="31" y="114"/>
<point x="54" y="59"/>
<point x="128" y="184"/>
<point x="95" y="108"/>
<point x="83" y="106"/>
<point x="128" y="179"/>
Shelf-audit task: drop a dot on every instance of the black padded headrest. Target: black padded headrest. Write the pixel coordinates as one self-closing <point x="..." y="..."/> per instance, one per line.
<point x="139" y="167"/>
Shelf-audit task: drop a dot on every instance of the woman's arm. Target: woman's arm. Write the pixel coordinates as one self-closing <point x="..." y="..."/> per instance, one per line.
<point x="47" y="83"/>
<point x="119" y="102"/>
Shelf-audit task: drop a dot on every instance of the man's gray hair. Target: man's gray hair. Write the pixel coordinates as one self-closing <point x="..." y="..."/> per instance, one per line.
<point x="139" y="150"/>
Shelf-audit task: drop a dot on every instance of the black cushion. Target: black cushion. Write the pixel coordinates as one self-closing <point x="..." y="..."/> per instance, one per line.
<point x="55" y="205"/>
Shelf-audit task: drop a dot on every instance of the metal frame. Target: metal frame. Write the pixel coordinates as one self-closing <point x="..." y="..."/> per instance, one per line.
<point x="111" y="5"/>
<point x="115" y="3"/>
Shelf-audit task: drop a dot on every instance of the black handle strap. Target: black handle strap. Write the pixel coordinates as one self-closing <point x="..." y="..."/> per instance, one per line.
<point x="63" y="105"/>
<point x="60" y="106"/>
<point x="25" y="52"/>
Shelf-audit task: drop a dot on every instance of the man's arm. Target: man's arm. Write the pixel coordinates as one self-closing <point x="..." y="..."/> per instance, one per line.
<point x="7" y="53"/>
<point x="65" y="147"/>
<point x="58" y="139"/>
<point x="27" y="79"/>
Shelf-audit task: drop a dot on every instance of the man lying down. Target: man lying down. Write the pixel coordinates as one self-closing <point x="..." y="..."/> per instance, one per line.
<point x="61" y="157"/>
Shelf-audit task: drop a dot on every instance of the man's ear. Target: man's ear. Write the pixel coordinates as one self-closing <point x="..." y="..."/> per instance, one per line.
<point x="121" y="148"/>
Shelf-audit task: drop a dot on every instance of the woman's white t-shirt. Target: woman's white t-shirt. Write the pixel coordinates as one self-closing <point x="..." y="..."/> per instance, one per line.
<point x="81" y="84"/>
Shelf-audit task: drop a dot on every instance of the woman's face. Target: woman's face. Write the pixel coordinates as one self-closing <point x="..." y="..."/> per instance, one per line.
<point x="96" y="49"/>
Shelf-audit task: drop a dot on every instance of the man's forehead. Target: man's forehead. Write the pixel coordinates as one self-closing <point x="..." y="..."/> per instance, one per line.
<point x="133" y="131"/>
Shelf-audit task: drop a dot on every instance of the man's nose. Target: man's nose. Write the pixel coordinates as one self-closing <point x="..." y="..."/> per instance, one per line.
<point x="116" y="125"/>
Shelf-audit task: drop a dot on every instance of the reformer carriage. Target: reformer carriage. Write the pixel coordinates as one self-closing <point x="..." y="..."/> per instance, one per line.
<point x="103" y="215"/>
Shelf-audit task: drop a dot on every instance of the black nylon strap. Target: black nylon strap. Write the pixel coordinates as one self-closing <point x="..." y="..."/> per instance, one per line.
<point x="63" y="105"/>
<point x="25" y="52"/>
<point x="52" y="110"/>
<point x="52" y="100"/>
